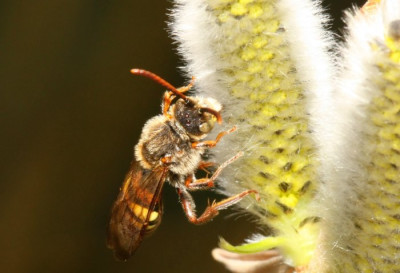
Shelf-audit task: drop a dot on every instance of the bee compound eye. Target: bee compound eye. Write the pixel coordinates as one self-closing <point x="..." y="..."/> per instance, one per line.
<point x="204" y="127"/>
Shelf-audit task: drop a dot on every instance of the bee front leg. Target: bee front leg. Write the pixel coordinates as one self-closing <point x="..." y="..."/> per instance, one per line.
<point x="186" y="88"/>
<point x="212" y="143"/>
<point x="169" y="97"/>
<point x="212" y="210"/>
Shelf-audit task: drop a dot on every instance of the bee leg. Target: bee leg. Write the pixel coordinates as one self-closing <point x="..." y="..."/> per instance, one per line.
<point x="167" y="102"/>
<point x="169" y="96"/>
<point x="212" y="210"/>
<point x="198" y="184"/>
<point x="205" y="183"/>
<point x="166" y="160"/>
<point x="212" y="143"/>
<point x="186" y="88"/>
<point x="204" y="165"/>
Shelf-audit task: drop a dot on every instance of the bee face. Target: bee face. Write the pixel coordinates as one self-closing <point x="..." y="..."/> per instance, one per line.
<point x="195" y="116"/>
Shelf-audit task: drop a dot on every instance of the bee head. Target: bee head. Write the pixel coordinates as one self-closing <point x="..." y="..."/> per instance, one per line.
<point x="197" y="115"/>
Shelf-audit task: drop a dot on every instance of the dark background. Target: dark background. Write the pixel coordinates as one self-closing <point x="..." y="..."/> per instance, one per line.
<point x="70" y="114"/>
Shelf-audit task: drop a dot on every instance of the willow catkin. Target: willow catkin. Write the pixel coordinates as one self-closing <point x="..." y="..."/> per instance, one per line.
<point x="267" y="62"/>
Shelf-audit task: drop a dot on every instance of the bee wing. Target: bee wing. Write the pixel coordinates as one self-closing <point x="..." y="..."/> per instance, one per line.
<point x="137" y="210"/>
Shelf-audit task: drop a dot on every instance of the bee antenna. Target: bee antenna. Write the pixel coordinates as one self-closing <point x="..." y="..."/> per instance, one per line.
<point x="156" y="78"/>
<point x="213" y="112"/>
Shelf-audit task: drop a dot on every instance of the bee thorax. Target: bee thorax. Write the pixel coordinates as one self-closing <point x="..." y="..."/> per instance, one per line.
<point x="161" y="138"/>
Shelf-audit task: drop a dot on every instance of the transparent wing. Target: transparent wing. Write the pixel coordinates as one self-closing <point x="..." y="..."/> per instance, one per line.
<point x="137" y="210"/>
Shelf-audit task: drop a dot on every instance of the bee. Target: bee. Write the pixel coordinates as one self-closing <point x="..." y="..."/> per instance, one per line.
<point x="170" y="149"/>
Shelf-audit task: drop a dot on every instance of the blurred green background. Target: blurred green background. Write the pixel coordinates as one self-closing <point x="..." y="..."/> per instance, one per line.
<point x="70" y="116"/>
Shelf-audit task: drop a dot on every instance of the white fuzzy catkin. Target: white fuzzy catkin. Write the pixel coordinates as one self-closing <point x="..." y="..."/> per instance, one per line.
<point x="268" y="63"/>
<point x="361" y="224"/>
<point x="201" y="42"/>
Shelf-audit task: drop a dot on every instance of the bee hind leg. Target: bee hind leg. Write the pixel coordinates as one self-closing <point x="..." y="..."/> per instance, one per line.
<point x="213" y="209"/>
